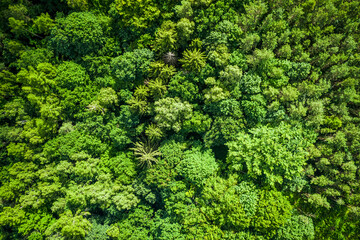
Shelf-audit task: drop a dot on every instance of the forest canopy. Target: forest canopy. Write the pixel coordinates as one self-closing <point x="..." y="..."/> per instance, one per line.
<point x="191" y="119"/>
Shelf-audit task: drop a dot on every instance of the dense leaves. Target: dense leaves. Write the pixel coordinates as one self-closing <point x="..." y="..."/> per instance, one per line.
<point x="191" y="119"/>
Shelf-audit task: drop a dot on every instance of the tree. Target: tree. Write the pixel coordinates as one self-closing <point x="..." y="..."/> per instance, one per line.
<point x="250" y="42"/>
<point x="73" y="86"/>
<point x="18" y="27"/>
<point x="272" y="212"/>
<point x="214" y="92"/>
<point x="297" y="227"/>
<point x="163" y="173"/>
<point x="193" y="60"/>
<point x="44" y="24"/>
<point x="171" y="112"/>
<point x="70" y="226"/>
<point x="222" y="203"/>
<point x="106" y="99"/>
<point x="231" y="76"/>
<point x="161" y="71"/>
<point x="180" y="86"/>
<point x="153" y="132"/>
<point x="198" y="123"/>
<point x="77" y="35"/>
<point x="11" y="216"/>
<point x="261" y="60"/>
<point x="81" y="5"/>
<point x="139" y="15"/>
<point x="253" y="13"/>
<point x="170" y="58"/>
<point x="166" y="37"/>
<point x="136" y="224"/>
<point x="197" y="166"/>
<point x="184" y="10"/>
<point x="71" y="75"/>
<point x="98" y="231"/>
<point x="157" y="89"/>
<point x="228" y="120"/>
<point x="185" y="28"/>
<point x="65" y="146"/>
<point x="219" y="56"/>
<point x="223" y="129"/>
<point x="232" y="31"/>
<point x="191" y="119"/>
<point x="33" y="57"/>
<point x="254" y="109"/>
<point x="273" y="155"/>
<point x="146" y="153"/>
<point x="138" y="105"/>
<point x="130" y="68"/>
<point x="250" y="84"/>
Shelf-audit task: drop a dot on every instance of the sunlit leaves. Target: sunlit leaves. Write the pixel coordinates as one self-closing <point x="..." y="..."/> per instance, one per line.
<point x="146" y="153"/>
<point x="139" y="14"/>
<point x="171" y="112"/>
<point x="197" y="166"/>
<point x="79" y="34"/>
<point x="70" y="225"/>
<point x="129" y="69"/>
<point x="193" y="60"/>
<point x="272" y="212"/>
<point x="270" y="154"/>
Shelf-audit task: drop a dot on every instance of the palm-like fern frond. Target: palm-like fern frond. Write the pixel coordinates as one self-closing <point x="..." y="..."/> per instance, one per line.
<point x="146" y="153"/>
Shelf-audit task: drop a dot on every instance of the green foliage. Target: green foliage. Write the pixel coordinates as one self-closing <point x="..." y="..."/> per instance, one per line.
<point x="163" y="172"/>
<point x="136" y="224"/>
<point x="33" y="58"/>
<point x="222" y="129"/>
<point x="254" y="109"/>
<point x="185" y="29"/>
<point x="191" y="119"/>
<point x="78" y="4"/>
<point x="167" y="230"/>
<point x="184" y="10"/>
<point x="98" y="231"/>
<point x="219" y="56"/>
<point x="18" y="27"/>
<point x="71" y="75"/>
<point x="43" y="24"/>
<point x="198" y="123"/>
<point x="79" y="34"/>
<point x="253" y="13"/>
<point x="166" y="38"/>
<point x="215" y="94"/>
<point x="297" y="227"/>
<point x="193" y="60"/>
<point x="230" y="76"/>
<point x="270" y="154"/>
<point x="153" y="132"/>
<point x="197" y="166"/>
<point x="64" y="147"/>
<point x="171" y="112"/>
<point x="121" y="167"/>
<point x="35" y="225"/>
<point x="70" y="226"/>
<point x="11" y="216"/>
<point x="139" y="15"/>
<point x="222" y="203"/>
<point x="272" y="212"/>
<point x="162" y="71"/>
<point x="250" y="84"/>
<point x="129" y="69"/>
<point x="181" y="87"/>
<point x="145" y="153"/>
